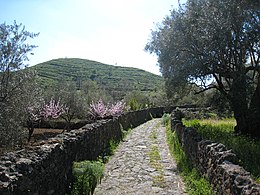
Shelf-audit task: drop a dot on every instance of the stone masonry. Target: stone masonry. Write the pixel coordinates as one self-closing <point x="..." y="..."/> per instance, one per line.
<point x="214" y="161"/>
<point x="129" y="171"/>
<point x="46" y="169"/>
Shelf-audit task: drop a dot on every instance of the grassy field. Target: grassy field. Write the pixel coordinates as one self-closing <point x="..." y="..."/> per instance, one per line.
<point x="246" y="148"/>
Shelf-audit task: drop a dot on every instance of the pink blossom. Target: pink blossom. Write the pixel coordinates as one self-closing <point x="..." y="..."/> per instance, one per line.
<point x="98" y="109"/>
<point x="53" y="109"/>
<point x="101" y="110"/>
<point x="117" y="109"/>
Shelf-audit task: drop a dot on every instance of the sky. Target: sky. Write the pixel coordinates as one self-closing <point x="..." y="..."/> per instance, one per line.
<point x="113" y="32"/>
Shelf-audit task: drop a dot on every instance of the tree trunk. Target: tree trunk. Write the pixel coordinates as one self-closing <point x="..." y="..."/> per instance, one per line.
<point x="30" y="127"/>
<point x="247" y="117"/>
<point x="240" y="114"/>
<point x="253" y="119"/>
<point x="239" y="103"/>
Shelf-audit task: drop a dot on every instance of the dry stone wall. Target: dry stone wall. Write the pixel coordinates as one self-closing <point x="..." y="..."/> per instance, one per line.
<point x="46" y="169"/>
<point x="214" y="161"/>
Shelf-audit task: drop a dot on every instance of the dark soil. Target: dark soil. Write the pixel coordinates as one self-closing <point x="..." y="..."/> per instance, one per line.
<point x="39" y="135"/>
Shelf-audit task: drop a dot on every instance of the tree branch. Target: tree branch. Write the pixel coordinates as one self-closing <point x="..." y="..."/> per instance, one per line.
<point x="254" y="68"/>
<point x="203" y="90"/>
<point x="220" y="86"/>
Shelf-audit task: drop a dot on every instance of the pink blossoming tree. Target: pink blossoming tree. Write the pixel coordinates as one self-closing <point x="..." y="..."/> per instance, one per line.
<point x="116" y="109"/>
<point x="100" y="110"/>
<point x="51" y="110"/>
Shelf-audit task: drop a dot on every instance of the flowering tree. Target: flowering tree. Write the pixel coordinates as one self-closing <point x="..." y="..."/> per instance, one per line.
<point x="116" y="109"/>
<point x="98" y="110"/>
<point x="74" y="99"/>
<point x="53" y="109"/>
<point x="101" y="110"/>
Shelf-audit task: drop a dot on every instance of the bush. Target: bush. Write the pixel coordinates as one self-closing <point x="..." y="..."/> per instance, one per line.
<point x="87" y="175"/>
<point x="166" y="119"/>
<point x="12" y="132"/>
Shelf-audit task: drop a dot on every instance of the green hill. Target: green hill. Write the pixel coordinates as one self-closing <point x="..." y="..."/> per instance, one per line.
<point x="114" y="79"/>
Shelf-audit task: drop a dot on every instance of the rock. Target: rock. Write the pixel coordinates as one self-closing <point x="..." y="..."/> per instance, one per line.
<point x="4" y="177"/>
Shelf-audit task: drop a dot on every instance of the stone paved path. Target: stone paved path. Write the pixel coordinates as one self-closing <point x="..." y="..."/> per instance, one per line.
<point x="135" y="169"/>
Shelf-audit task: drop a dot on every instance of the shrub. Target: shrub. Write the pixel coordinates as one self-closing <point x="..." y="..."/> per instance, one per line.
<point x="166" y="119"/>
<point x="87" y="175"/>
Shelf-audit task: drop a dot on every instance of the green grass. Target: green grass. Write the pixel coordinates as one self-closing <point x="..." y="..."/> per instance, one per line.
<point x="246" y="148"/>
<point x="87" y="175"/>
<point x="166" y="118"/>
<point x="195" y="184"/>
<point x="109" y="150"/>
<point x="155" y="158"/>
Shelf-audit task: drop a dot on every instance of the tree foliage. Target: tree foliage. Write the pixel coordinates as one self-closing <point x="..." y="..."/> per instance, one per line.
<point x="214" y="44"/>
<point x="13" y="52"/>
<point x="17" y="84"/>
<point x="114" y="80"/>
<point x="100" y="110"/>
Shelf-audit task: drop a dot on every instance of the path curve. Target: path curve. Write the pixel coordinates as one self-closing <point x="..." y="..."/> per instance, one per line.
<point x="134" y="170"/>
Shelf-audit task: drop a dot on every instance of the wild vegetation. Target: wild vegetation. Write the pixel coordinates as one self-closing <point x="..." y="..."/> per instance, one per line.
<point x="246" y="148"/>
<point x="195" y="184"/>
<point x="155" y="159"/>
<point x="87" y="175"/>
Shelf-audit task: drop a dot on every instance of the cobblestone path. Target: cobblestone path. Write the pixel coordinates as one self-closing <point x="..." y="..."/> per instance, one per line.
<point x="142" y="165"/>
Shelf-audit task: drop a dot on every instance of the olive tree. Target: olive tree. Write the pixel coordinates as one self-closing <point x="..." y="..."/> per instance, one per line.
<point x="214" y="44"/>
<point x="17" y="83"/>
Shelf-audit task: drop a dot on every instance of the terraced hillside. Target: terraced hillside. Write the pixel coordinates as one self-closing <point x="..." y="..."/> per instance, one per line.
<point x="116" y="79"/>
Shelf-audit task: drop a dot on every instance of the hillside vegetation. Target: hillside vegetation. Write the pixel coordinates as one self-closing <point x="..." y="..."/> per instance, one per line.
<point x="114" y="79"/>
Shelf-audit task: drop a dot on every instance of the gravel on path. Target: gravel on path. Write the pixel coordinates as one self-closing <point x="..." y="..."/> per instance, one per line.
<point x="142" y="165"/>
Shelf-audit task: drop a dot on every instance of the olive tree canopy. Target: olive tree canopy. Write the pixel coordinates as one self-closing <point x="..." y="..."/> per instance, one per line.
<point x="18" y="89"/>
<point x="214" y="44"/>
